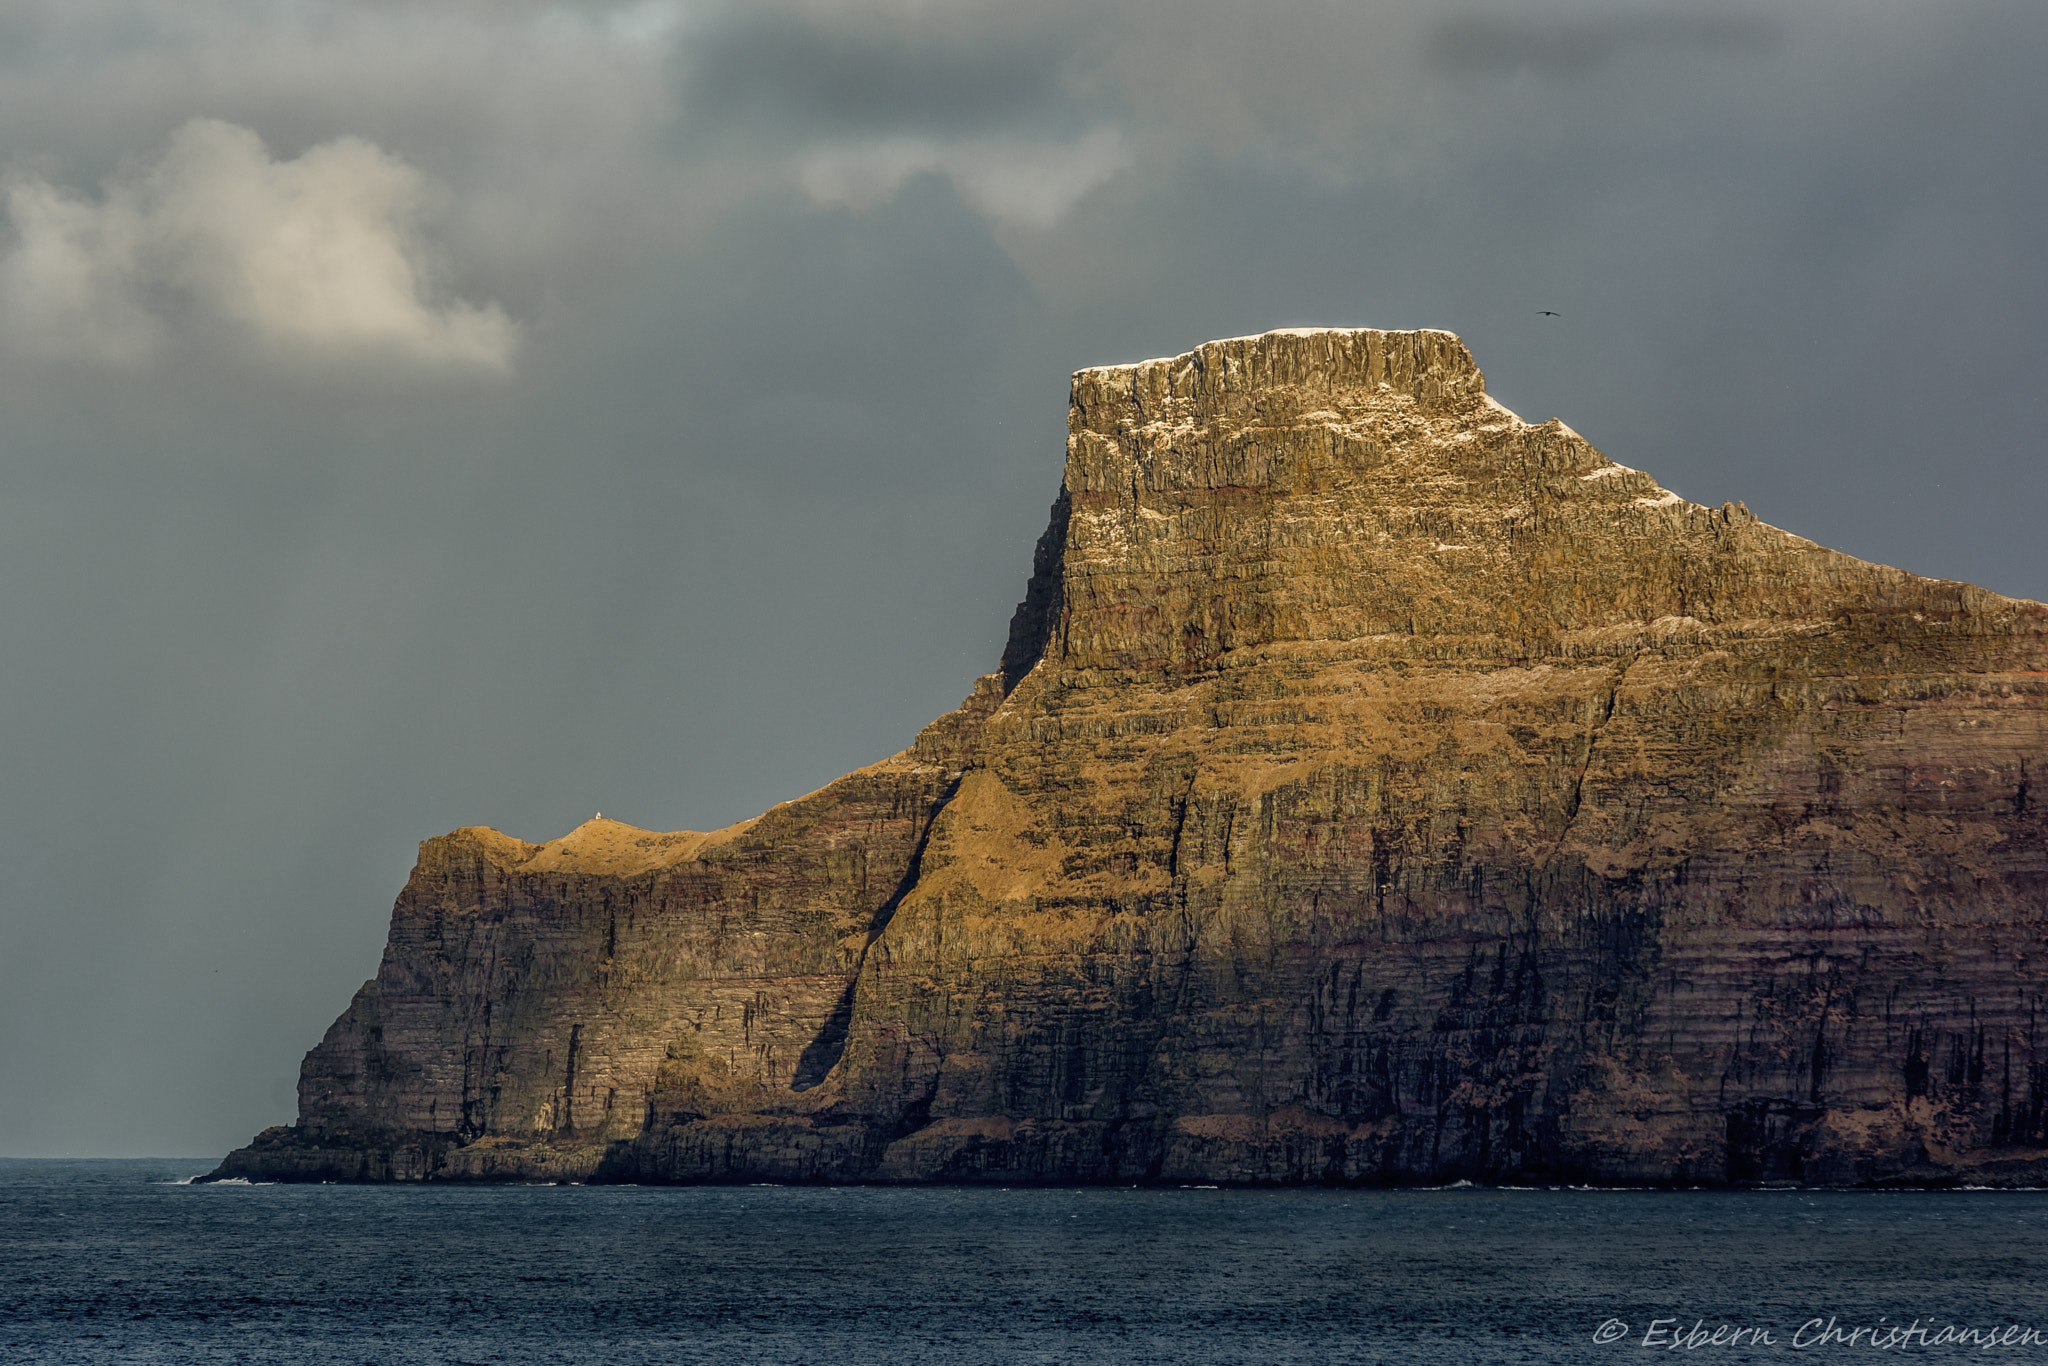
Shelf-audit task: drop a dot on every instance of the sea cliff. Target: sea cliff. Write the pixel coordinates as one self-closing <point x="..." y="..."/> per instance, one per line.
<point x="1376" y="788"/>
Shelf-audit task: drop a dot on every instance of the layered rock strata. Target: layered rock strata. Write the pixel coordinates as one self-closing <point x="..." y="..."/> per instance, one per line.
<point x="1376" y="788"/>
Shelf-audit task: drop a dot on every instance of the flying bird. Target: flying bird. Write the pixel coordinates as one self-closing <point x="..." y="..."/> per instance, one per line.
<point x="1546" y="313"/>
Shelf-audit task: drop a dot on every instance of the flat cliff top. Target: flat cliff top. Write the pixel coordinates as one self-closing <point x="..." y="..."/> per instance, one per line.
<point x="1338" y="337"/>
<point x="598" y="846"/>
<point x="603" y="847"/>
<point x="1242" y="375"/>
<point x="1338" y="485"/>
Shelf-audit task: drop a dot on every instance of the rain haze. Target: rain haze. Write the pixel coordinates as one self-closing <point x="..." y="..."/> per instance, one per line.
<point x="461" y="413"/>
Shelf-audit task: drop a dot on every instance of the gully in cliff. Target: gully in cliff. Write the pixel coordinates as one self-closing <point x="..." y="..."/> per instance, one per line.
<point x="1376" y="788"/>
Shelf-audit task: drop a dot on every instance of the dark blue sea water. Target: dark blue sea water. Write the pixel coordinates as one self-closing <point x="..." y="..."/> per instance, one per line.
<point x="114" y="1262"/>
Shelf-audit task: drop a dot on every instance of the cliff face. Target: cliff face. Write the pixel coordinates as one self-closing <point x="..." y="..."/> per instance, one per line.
<point x="1376" y="788"/>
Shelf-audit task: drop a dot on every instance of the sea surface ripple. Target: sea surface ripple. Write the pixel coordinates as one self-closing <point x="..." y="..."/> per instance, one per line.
<point x="114" y="1262"/>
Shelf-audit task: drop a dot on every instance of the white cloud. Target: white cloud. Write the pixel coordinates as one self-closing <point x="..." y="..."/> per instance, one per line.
<point x="69" y="288"/>
<point x="320" y="255"/>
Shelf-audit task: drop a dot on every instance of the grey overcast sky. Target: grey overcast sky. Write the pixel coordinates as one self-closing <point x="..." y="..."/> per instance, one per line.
<point x="444" y="412"/>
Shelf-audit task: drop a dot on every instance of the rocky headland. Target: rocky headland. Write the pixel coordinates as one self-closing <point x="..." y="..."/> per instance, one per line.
<point x="1376" y="788"/>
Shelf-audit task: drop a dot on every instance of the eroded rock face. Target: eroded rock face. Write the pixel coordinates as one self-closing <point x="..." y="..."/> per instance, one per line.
<point x="1376" y="788"/>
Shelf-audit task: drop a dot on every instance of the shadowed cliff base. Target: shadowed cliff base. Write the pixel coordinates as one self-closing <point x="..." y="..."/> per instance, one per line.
<point x="1376" y="788"/>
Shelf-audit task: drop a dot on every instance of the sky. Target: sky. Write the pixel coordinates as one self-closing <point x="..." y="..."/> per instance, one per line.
<point x="429" y="413"/>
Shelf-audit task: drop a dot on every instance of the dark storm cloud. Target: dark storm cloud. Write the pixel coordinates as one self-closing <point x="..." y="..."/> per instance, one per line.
<point x="804" y="73"/>
<point x="1475" y="44"/>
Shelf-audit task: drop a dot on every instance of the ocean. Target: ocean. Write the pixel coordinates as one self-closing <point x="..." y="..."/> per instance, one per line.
<point x="119" y="1261"/>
